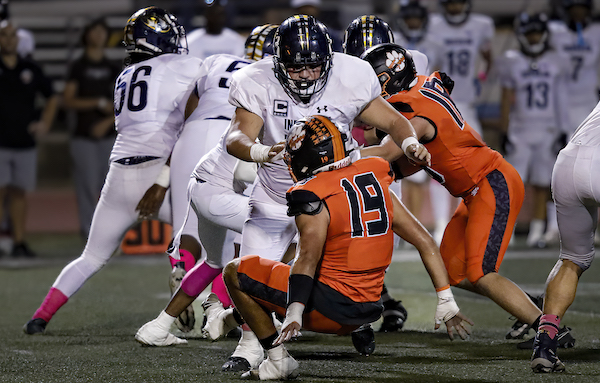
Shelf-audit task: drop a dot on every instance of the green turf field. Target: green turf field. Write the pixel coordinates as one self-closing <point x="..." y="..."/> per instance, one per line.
<point x="91" y="338"/>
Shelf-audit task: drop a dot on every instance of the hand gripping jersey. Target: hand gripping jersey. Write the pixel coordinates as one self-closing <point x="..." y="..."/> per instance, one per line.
<point x="461" y="45"/>
<point x="457" y="152"/>
<point x="150" y="99"/>
<point x="540" y="108"/>
<point x="359" y="242"/>
<point x="352" y="84"/>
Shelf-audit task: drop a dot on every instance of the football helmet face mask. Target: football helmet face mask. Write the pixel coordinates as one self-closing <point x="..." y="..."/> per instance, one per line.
<point x="408" y="12"/>
<point x="153" y="31"/>
<point x="394" y="67"/>
<point x="459" y="17"/>
<point x="315" y="144"/>
<point x="301" y="41"/>
<point x="526" y="24"/>
<point x="365" y="32"/>
<point x="260" y="42"/>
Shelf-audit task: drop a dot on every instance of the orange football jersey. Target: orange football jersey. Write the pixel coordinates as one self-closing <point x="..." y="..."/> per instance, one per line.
<point x="359" y="242"/>
<point x="457" y="151"/>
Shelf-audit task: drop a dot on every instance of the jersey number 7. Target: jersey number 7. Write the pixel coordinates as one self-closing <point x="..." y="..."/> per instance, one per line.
<point x="434" y="90"/>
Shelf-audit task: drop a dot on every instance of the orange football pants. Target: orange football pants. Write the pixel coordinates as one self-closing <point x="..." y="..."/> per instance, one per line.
<point x="478" y="234"/>
<point x="266" y="281"/>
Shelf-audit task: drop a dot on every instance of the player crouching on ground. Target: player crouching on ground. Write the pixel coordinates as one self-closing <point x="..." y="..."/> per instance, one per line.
<point x="343" y="210"/>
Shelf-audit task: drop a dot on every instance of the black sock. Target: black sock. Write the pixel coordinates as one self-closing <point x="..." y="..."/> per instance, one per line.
<point x="267" y="343"/>
<point x="536" y="323"/>
<point x="238" y="317"/>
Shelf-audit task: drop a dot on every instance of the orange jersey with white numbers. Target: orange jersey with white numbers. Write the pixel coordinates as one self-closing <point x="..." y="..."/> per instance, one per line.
<point x="457" y="151"/>
<point x="359" y="242"/>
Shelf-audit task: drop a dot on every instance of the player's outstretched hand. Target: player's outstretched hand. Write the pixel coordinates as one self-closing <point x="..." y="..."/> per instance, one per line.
<point x="418" y="154"/>
<point x="276" y="152"/>
<point x="292" y="323"/>
<point x="151" y="201"/>
<point x="457" y="323"/>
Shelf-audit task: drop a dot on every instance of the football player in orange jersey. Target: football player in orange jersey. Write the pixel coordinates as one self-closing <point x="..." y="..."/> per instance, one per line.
<point x="492" y="192"/>
<point x="346" y="218"/>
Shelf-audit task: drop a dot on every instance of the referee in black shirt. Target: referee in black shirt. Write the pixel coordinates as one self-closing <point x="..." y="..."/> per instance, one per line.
<point x="20" y="81"/>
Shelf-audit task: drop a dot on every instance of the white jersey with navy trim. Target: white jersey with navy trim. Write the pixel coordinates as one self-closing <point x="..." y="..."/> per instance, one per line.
<point x="213" y="87"/>
<point x="583" y="54"/>
<point x="150" y="99"/>
<point x="540" y="108"/>
<point x="461" y="45"/>
<point x="352" y="84"/>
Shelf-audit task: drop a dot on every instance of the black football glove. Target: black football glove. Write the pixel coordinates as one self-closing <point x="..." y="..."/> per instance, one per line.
<point x="447" y="82"/>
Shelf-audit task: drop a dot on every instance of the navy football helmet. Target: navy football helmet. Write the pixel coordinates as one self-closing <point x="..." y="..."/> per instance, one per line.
<point x="394" y="67"/>
<point x="365" y="32"/>
<point x="315" y="144"/>
<point x="260" y="42"/>
<point x="154" y="31"/>
<point x="408" y="11"/>
<point x="526" y="24"/>
<point x="302" y="41"/>
<point x="456" y="18"/>
<point x="577" y="13"/>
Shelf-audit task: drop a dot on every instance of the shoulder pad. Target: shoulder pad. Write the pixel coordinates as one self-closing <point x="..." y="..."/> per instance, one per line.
<point x="303" y="202"/>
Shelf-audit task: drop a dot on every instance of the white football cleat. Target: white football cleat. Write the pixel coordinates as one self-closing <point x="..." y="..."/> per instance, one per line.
<point x="218" y="320"/>
<point x="248" y="354"/>
<point x="186" y="320"/>
<point x="151" y="334"/>
<point x="279" y="365"/>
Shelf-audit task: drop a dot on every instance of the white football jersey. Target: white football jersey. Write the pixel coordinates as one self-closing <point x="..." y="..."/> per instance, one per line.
<point x="427" y="46"/>
<point x="460" y="47"/>
<point x="588" y="133"/>
<point x="149" y="103"/>
<point x="352" y="84"/>
<point x="540" y="98"/>
<point x="583" y="53"/>
<point x="202" y="44"/>
<point x="213" y="89"/>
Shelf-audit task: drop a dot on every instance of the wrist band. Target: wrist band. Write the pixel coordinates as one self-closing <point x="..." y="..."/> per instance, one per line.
<point x="442" y="288"/>
<point x="299" y="288"/>
<point x="259" y="152"/>
<point x="445" y="294"/>
<point x="407" y="142"/>
<point x="163" y="176"/>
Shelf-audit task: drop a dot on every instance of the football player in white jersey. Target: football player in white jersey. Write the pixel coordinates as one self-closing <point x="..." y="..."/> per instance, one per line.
<point x="215" y="37"/>
<point x="578" y="38"/>
<point x="576" y="193"/>
<point x="414" y="34"/>
<point x="201" y="133"/>
<point x="213" y="191"/>
<point x="151" y="95"/>
<point x="464" y="37"/>
<point x="304" y="78"/>
<point x="533" y="113"/>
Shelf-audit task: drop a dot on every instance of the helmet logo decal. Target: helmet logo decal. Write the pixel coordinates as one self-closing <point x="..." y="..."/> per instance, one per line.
<point x="395" y="61"/>
<point x="157" y="25"/>
<point x="295" y="140"/>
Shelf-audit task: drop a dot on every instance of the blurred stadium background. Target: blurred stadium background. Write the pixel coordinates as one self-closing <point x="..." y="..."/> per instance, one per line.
<point x="57" y="26"/>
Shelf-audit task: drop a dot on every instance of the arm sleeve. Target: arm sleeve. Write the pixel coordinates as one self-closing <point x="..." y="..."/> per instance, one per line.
<point x="241" y="98"/>
<point x="503" y="69"/>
